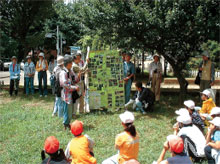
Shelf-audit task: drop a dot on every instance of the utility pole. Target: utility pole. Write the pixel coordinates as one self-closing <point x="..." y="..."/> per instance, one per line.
<point x="58" y="50"/>
<point x="61" y="44"/>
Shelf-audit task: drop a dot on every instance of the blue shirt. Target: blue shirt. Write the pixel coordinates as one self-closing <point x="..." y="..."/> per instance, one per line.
<point x="29" y="69"/>
<point x="14" y="74"/>
<point x="216" y="136"/>
<point x="128" y="69"/>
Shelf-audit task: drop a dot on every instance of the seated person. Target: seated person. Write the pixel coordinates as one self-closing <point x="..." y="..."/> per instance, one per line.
<point x="127" y="142"/>
<point x="194" y="140"/>
<point x="80" y="148"/>
<point x="215" y="112"/>
<point x="207" y="104"/>
<point x="143" y="99"/>
<point x="51" y="147"/>
<point x="196" y="119"/>
<point x="212" y="150"/>
<point x="176" y="146"/>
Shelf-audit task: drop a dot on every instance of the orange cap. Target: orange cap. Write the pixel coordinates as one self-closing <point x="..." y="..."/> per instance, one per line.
<point x="51" y="145"/>
<point x="77" y="127"/>
<point x="176" y="143"/>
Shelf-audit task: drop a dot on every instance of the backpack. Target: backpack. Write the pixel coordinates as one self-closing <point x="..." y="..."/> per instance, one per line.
<point x="58" y="88"/>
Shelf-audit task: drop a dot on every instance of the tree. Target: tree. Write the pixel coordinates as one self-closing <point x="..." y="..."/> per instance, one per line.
<point x="174" y="28"/>
<point x="22" y="20"/>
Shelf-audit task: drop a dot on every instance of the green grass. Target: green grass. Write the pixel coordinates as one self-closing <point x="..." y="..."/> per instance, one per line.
<point x="27" y="121"/>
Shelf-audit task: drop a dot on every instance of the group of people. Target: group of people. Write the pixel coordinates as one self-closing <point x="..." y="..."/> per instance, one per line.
<point x="196" y="138"/>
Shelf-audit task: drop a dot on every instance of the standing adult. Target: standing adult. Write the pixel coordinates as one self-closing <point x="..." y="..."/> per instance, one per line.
<point x="14" y="70"/>
<point x="208" y="72"/>
<point x="58" y="106"/>
<point x="66" y="78"/>
<point x="129" y="72"/>
<point x="41" y="68"/>
<point x="29" y="71"/>
<point x="80" y="68"/>
<point x="51" y="67"/>
<point x="155" y="74"/>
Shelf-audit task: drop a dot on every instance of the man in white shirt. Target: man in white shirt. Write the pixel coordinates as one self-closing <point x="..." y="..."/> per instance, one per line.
<point x="155" y="74"/>
<point x="194" y="140"/>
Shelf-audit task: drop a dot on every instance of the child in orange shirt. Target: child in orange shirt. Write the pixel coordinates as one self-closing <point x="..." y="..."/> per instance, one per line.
<point x="80" y="148"/>
<point x="126" y="142"/>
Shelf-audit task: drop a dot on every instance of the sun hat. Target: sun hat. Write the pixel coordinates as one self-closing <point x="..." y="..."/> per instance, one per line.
<point x="67" y="59"/>
<point x="41" y="54"/>
<point x="206" y="92"/>
<point x="215" y="111"/>
<point x="51" y="145"/>
<point x="185" y="119"/>
<point x="216" y="121"/>
<point x="13" y="57"/>
<point x="175" y="143"/>
<point x="127" y="117"/>
<point x="76" y="127"/>
<point x="79" y="52"/>
<point x="60" y="60"/>
<point x="182" y="111"/>
<point x="156" y="55"/>
<point x="205" y="53"/>
<point x="197" y="108"/>
<point x="190" y="104"/>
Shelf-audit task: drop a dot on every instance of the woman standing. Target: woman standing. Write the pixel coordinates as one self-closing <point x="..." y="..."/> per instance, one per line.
<point x="41" y="68"/>
<point x="52" y="65"/>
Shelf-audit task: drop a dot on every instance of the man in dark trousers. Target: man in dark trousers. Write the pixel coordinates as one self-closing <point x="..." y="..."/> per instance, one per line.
<point x="143" y="99"/>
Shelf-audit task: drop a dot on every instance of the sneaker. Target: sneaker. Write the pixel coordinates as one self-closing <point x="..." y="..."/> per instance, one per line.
<point x="41" y="95"/>
<point x="144" y="113"/>
<point x="45" y="96"/>
<point x="54" y="114"/>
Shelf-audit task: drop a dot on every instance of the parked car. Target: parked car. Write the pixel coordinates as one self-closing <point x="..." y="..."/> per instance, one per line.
<point x="7" y="63"/>
<point x="1" y="65"/>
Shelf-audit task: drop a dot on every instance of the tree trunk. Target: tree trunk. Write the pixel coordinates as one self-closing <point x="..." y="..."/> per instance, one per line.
<point x="142" y="63"/>
<point x="182" y="82"/>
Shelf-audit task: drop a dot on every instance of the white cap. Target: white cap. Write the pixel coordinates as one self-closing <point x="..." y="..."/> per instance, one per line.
<point x="216" y="121"/>
<point x="127" y="117"/>
<point x="185" y="119"/>
<point x="79" y="52"/>
<point x="182" y="111"/>
<point x="60" y="60"/>
<point x="190" y="104"/>
<point x="206" y="92"/>
<point x="41" y="54"/>
<point x="215" y="111"/>
<point x="156" y="55"/>
<point x="197" y="108"/>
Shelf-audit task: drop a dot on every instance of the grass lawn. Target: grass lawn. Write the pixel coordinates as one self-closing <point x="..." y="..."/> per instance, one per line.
<point x="27" y="121"/>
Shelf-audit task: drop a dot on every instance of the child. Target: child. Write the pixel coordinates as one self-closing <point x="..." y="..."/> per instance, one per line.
<point x="208" y="103"/>
<point x="51" y="147"/>
<point x="127" y="142"/>
<point x="41" y="68"/>
<point x="14" y="70"/>
<point x="212" y="150"/>
<point x="176" y="146"/>
<point x="80" y="148"/>
<point x="196" y="119"/>
<point x="29" y="71"/>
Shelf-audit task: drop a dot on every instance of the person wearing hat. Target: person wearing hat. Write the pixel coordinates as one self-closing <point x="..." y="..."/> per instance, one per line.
<point x="207" y="104"/>
<point x="196" y="118"/>
<point x="51" y="67"/>
<point x="175" y="145"/>
<point x="14" y="70"/>
<point x="127" y="142"/>
<point x="67" y="78"/>
<point x="29" y="72"/>
<point x="79" y="68"/>
<point x="58" y="106"/>
<point x="208" y="72"/>
<point x="155" y="75"/>
<point x="129" y="72"/>
<point x="212" y="150"/>
<point x="41" y="68"/>
<point x="194" y="140"/>
<point x="56" y="155"/>
<point x="215" y="112"/>
<point x="80" y="148"/>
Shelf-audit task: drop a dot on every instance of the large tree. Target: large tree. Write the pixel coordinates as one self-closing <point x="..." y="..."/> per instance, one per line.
<point x="23" y="21"/>
<point x="174" y="28"/>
